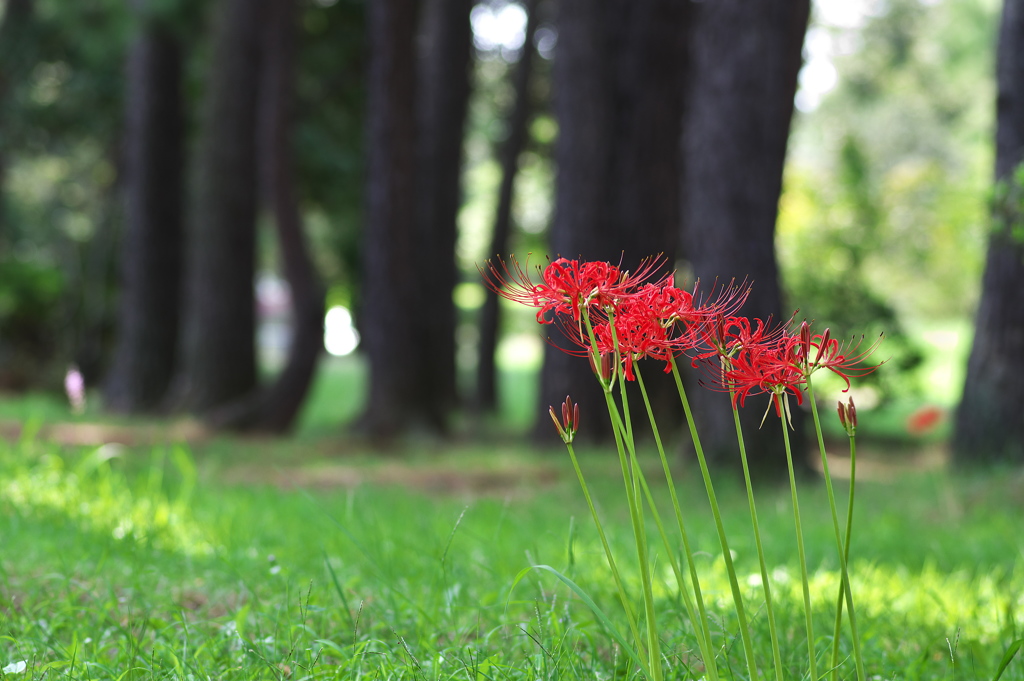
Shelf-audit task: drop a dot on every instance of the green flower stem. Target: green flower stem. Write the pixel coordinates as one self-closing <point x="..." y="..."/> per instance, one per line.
<point x="811" y="658"/>
<point x="623" y="434"/>
<point x="631" y="474"/>
<point x="620" y="587"/>
<point x="704" y="635"/>
<point x="845" y="577"/>
<point x="776" y="653"/>
<point x="741" y="615"/>
<point x="849" y="533"/>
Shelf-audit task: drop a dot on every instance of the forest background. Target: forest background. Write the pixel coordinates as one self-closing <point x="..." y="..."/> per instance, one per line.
<point x="189" y="191"/>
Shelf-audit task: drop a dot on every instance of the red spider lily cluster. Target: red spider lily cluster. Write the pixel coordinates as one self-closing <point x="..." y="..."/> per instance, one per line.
<point x="615" y="317"/>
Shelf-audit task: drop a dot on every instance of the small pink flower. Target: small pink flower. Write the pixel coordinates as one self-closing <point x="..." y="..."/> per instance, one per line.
<point x="74" y="387"/>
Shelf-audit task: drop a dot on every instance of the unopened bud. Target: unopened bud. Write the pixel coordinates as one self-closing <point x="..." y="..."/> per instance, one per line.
<point x="569" y="424"/>
<point x="558" y="424"/>
<point x="604" y="371"/>
<point x="826" y="336"/>
<point x="848" y="417"/>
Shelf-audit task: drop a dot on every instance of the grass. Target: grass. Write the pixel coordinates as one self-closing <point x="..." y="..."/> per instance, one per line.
<point x="316" y="558"/>
<point x="138" y="563"/>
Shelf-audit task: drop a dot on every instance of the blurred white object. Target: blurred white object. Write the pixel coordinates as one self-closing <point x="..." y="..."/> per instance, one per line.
<point x="15" y="667"/>
<point x="340" y="335"/>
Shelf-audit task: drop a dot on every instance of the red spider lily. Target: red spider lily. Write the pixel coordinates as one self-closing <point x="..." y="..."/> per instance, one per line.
<point x="767" y="368"/>
<point x="568" y="286"/>
<point x="648" y="323"/>
<point x="660" y="321"/>
<point x="727" y="336"/>
<point x="843" y="359"/>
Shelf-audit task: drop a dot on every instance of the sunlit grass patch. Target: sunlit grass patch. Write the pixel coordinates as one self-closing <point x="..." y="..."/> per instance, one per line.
<point x="89" y="491"/>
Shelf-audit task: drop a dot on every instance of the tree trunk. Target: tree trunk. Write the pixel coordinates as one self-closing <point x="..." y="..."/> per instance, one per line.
<point x="443" y="97"/>
<point x="218" y="351"/>
<point x="618" y="80"/>
<point x="745" y="62"/>
<point x="275" y="407"/>
<point x="990" y="419"/>
<point x="516" y="126"/>
<point x="151" y="260"/>
<point x="16" y="56"/>
<point x="390" y="257"/>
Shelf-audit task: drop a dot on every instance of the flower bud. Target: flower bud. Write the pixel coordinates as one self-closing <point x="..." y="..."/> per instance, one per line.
<point x="826" y="336"/>
<point x="569" y="424"/>
<point x="604" y="371"/>
<point x="848" y="417"/>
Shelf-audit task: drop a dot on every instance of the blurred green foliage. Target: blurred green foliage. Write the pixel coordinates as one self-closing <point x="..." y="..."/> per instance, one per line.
<point x="62" y="101"/>
<point x="29" y="299"/>
<point x="883" y="220"/>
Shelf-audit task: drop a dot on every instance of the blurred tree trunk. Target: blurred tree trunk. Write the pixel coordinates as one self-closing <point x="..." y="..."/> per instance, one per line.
<point x="989" y="423"/>
<point x="417" y="109"/>
<point x="443" y="96"/>
<point x="390" y="257"/>
<point x="618" y="78"/>
<point x="16" y="57"/>
<point x="515" y="140"/>
<point x="746" y="58"/>
<point x="153" y="240"/>
<point x="218" y="344"/>
<point x="275" y="407"/>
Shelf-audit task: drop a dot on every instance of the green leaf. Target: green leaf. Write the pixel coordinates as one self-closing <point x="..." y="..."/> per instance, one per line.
<point x="1008" y="657"/>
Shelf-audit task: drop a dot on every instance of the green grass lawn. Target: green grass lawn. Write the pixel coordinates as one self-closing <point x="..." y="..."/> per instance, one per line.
<point x="158" y="563"/>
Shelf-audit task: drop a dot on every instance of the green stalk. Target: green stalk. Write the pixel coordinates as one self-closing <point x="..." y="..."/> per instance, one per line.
<point x="623" y="435"/>
<point x="811" y="659"/>
<point x="776" y="653"/>
<point x="620" y="587"/>
<point x="704" y="635"/>
<point x="844" y="574"/>
<point x="631" y="474"/>
<point x="849" y="532"/>
<point x="741" y="615"/>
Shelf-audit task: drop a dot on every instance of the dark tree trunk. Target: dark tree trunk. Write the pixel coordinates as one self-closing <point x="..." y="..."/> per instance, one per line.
<point x="618" y="77"/>
<point x="274" y="408"/>
<point x="218" y="351"/>
<point x="443" y="96"/>
<point x="390" y="257"/>
<point x="16" y="56"/>
<point x="990" y="419"/>
<point x="151" y="259"/>
<point x="745" y="62"/>
<point x="516" y="129"/>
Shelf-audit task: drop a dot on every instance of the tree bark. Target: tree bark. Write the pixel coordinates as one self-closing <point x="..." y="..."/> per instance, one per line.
<point x="275" y="407"/>
<point x="618" y="76"/>
<point x="218" y="346"/>
<point x="151" y="259"/>
<point x="16" y="55"/>
<point x="443" y="97"/>
<point x="515" y="141"/>
<point x="745" y="62"/>
<point x="989" y="424"/>
<point x="390" y="277"/>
